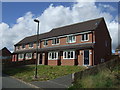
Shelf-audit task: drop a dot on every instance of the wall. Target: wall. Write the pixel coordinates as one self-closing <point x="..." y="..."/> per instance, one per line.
<point x="63" y="41"/>
<point x="101" y="36"/>
<point x="93" y="70"/>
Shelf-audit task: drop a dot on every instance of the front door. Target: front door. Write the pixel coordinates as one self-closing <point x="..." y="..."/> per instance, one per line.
<point x="40" y="61"/>
<point x="86" y="57"/>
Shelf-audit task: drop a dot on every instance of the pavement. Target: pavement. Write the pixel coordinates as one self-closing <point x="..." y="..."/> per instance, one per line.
<point x="61" y="82"/>
<point x="10" y="82"/>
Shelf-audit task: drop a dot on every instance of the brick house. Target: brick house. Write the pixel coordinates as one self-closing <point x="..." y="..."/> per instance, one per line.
<point x="5" y="55"/>
<point x="87" y="43"/>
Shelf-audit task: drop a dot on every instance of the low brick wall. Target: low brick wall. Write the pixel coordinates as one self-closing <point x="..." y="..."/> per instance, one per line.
<point x="95" y="69"/>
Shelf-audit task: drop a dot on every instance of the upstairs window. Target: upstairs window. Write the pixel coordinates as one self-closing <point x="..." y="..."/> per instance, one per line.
<point x="106" y="43"/>
<point x="53" y="55"/>
<point x="17" y="47"/>
<point x="31" y="45"/>
<point x="23" y="46"/>
<point x="55" y="41"/>
<point x="70" y="39"/>
<point x="45" y="42"/>
<point x="85" y="37"/>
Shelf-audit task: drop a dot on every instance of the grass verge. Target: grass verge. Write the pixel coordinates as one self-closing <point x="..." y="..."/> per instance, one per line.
<point x="45" y="72"/>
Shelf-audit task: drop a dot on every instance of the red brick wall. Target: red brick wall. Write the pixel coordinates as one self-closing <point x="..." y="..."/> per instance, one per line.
<point x="63" y="41"/>
<point x="100" y="49"/>
<point x="53" y="62"/>
<point x="69" y="62"/>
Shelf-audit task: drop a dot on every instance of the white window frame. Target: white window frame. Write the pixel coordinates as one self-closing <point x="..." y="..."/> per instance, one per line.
<point x="30" y="46"/>
<point x="24" y="47"/>
<point x="52" y="53"/>
<point x="19" y="57"/>
<point x="68" y="41"/>
<point x="67" y="54"/>
<point x="85" y="37"/>
<point x="26" y="57"/>
<point x="56" y="41"/>
<point x="45" y="42"/>
<point x="17" y="47"/>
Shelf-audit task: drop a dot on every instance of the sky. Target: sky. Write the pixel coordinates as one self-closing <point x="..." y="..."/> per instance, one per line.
<point x="17" y="18"/>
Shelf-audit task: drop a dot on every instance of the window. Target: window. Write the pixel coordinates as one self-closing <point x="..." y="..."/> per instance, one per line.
<point x="70" y="39"/>
<point x="28" y="56"/>
<point x="102" y="60"/>
<point x="55" y="41"/>
<point x="45" y="42"/>
<point x="38" y="44"/>
<point x="31" y="45"/>
<point x="17" y="47"/>
<point x="20" y="56"/>
<point x="106" y="44"/>
<point x="53" y="55"/>
<point x="69" y="55"/>
<point x="85" y="37"/>
<point x="23" y="46"/>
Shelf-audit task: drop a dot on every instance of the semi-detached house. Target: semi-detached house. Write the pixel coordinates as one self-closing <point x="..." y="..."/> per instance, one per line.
<point x="87" y="43"/>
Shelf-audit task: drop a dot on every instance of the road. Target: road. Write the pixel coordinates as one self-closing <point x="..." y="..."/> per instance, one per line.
<point x="9" y="82"/>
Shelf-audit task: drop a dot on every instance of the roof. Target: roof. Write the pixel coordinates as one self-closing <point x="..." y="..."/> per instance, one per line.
<point x="5" y="52"/>
<point x="65" y="30"/>
<point x="59" y="48"/>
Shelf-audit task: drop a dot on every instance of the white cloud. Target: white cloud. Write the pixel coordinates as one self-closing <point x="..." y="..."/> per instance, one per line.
<point x="56" y="16"/>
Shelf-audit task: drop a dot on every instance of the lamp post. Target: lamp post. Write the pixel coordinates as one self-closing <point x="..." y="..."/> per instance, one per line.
<point x="37" y="41"/>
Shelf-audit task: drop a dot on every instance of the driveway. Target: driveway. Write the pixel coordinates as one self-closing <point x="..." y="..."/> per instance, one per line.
<point x="61" y="82"/>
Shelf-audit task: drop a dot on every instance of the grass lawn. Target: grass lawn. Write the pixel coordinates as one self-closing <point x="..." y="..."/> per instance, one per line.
<point x="45" y="72"/>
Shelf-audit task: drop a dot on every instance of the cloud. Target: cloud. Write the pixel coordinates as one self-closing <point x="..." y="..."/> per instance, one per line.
<point x="107" y="7"/>
<point x="56" y="16"/>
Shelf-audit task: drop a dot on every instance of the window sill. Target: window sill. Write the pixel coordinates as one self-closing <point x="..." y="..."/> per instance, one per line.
<point x="84" y="40"/>
<point x="52" y="59"/>
<point x="55" y="44"/>
<point x="71" y="42"/>
<point x="68" y="58"/>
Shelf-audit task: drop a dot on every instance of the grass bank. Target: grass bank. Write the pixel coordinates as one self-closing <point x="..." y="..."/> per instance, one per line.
<point x="45" y="72"/>
<point x="104" y="79"/>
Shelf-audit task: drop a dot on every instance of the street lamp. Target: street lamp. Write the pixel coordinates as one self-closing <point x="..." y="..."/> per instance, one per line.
<point x="37" y="41"/>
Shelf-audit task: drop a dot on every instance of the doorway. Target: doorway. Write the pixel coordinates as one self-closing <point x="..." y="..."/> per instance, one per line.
<point x="40" y="61"/>
<point x="86" y="57"/>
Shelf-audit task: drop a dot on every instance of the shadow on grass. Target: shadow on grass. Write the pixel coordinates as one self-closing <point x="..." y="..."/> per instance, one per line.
<point x="19" y="69"/>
